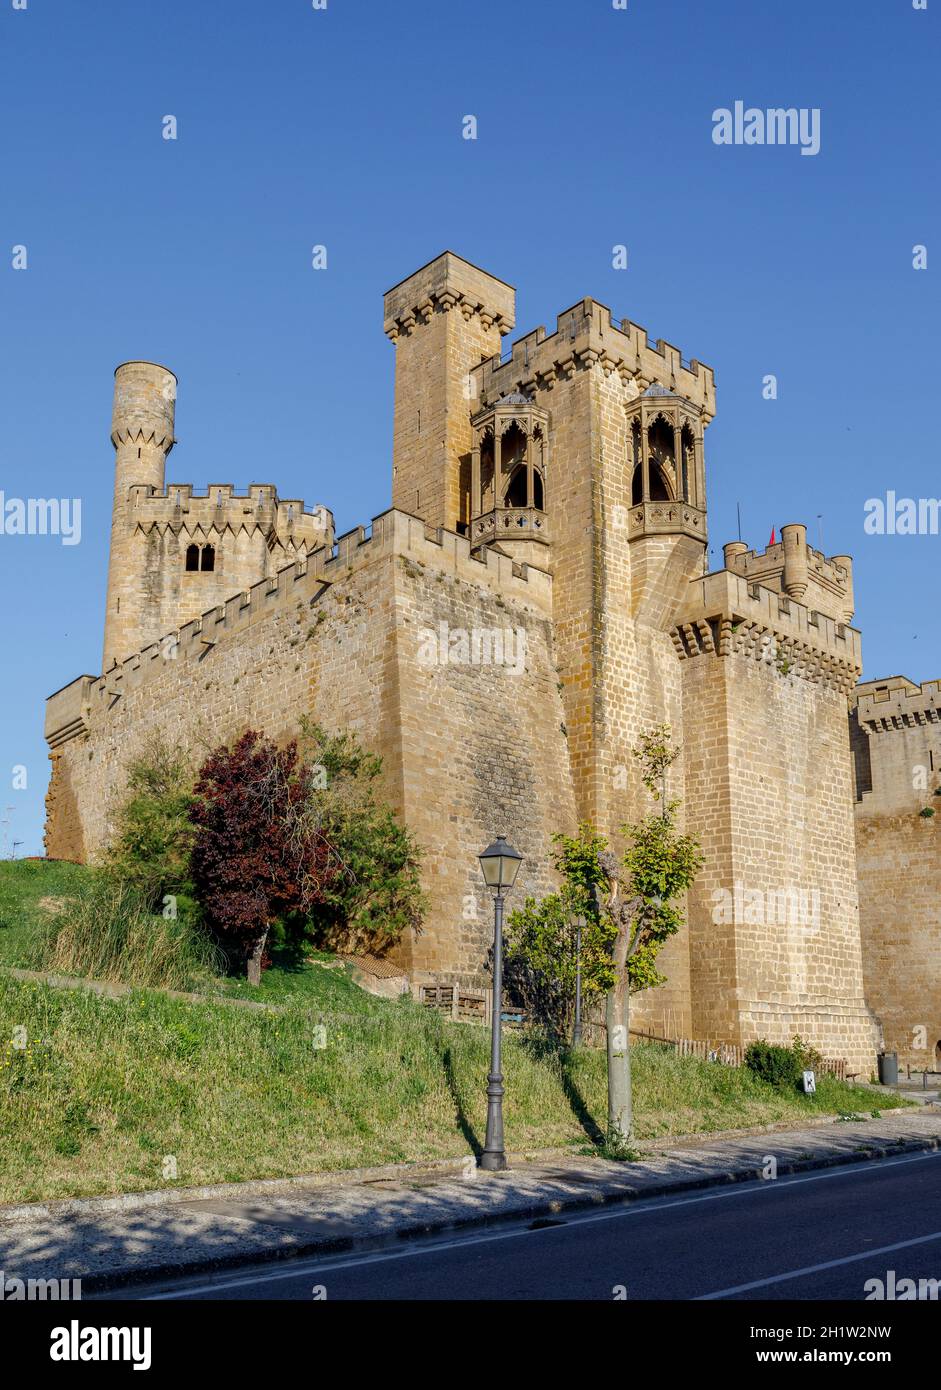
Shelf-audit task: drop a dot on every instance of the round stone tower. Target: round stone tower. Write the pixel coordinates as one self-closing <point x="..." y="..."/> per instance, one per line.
<point x="142" y="434"/>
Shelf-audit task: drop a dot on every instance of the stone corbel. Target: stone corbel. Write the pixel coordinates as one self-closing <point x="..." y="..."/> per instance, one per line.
<point x="691" y="639"/>
<point x="705" y="633"/>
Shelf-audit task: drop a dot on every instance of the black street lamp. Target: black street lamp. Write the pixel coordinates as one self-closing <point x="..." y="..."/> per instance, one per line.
<point x="499" y="864"/>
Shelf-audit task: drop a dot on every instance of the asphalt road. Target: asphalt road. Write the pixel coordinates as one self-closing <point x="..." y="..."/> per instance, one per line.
<point x="819" y="1235"/>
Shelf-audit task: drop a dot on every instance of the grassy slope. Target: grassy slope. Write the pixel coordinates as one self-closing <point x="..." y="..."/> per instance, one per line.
<point x="320" y="980"/>
<point x="107" y="1089"/>
<point x="23" y="885"/>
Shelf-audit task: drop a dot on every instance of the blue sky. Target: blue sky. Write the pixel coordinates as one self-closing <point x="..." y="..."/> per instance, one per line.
<point x="343" y="127"/>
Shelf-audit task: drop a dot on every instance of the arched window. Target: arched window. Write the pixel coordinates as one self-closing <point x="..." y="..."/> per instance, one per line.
<point x="660" y="449"/>
<point x="516" y="495"/>
<point x="192" y="557"/>
<point x="659" y="487"/>
<point x="688" y="445"/>
<point x="516" y="492"/>
<point x="486" y="473"/>
<point x="512" y="448"/>
<point x="208" y="558"/>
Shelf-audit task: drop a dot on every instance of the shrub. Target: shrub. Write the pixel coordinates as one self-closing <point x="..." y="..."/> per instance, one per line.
<point x="371" y="892"/>
<point x="150" y="849"/>
<point x="808" y="1058"/>
<point x="779" y="1066"/>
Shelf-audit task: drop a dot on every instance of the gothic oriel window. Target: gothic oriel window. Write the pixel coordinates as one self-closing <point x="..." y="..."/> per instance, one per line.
<point x="662" y="462"/>
<point x="509" y="472"/>
<point x="664" y="451"/>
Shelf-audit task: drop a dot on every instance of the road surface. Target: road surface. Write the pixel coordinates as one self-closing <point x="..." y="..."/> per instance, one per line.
<point x="819" y="1235"/>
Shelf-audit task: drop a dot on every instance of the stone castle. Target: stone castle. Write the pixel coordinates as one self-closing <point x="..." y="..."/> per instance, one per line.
<point x="537" y="597"/>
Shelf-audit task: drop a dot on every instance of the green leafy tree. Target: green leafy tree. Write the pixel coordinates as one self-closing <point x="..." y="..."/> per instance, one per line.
<point x="658" y="867"/>
<point x="153" y="835"/>
<point x="372" y="889"/>
<point x="542" y="939"/>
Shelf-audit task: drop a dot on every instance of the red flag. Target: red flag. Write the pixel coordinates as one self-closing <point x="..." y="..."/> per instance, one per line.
<point x="772" y="541"/>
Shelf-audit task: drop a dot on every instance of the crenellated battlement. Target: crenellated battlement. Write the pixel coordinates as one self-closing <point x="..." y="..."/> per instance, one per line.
<point x="794" y="568"/>
<point x="221" y="508"/>
<point x="448" y="282"/>
<point x="587" y="334"/>
<point x="727" y="614"/>
<point x="304" y="581"/>
<point x="897" y="703"/>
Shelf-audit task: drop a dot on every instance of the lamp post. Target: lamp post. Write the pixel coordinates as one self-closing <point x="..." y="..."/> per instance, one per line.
<point x="499" y="864"/>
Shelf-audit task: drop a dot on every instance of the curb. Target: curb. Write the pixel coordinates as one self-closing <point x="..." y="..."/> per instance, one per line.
<point x="532" y="1210"/>
<point x="58" y="1207"/>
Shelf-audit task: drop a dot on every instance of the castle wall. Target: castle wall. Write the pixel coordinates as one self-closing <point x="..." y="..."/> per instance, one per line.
<point x="469" y="749"/>
<point x="616" y="663"/>
<point x="483" y="752"/>
<point x="774" y="934"/>
<point x="251" y="536"/>
<point x="793" y="567"/>
<point x="898" y="769"/>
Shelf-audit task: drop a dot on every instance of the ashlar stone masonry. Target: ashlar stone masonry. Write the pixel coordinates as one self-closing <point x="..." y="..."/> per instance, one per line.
<point x="536" y="599"/>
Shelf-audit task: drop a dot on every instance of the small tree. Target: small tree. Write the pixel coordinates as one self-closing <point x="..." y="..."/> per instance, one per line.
<point x="542" y="937"/>
<point x="256" y="856"/>
<point x="658" y="867"/>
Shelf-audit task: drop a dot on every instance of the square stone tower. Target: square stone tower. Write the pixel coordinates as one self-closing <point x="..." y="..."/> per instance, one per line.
<point x="444" y="320"/>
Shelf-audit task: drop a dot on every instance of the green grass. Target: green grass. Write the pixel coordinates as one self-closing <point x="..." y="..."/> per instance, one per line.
<point x="108" y="1089"/>
<point x="316" y="979"/>
<point x="23" y="885"/>
<point x="319" y="980"/>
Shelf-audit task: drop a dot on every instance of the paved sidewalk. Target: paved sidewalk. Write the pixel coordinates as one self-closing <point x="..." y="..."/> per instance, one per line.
<point x="107" y="1242"/>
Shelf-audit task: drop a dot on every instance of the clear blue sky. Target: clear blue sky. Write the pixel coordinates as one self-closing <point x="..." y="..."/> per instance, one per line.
<point x="344" y="127"/>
